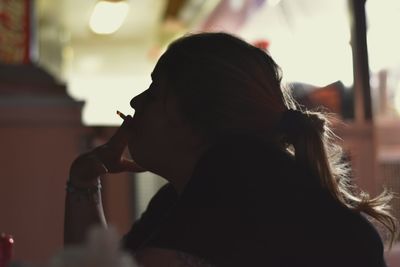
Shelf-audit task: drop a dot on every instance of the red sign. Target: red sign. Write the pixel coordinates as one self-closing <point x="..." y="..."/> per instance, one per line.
<point x="14" y="31"/>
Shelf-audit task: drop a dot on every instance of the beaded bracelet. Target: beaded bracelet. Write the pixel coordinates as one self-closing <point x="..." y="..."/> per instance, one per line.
<point x="90" y="193"/>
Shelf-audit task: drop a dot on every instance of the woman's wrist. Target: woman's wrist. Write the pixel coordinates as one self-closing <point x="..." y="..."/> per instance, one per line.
<point x="83" y="182"/>
<point x="91" y="193"/>
<point x="73" y="188"/>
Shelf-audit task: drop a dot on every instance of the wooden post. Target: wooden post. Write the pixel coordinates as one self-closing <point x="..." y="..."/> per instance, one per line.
<point x="364" y="141"/>
<point x="360" y="61"/>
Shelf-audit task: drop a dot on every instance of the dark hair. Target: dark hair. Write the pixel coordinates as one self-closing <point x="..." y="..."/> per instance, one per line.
<point x="230" y="86"/>
<point x="219" y="69"/>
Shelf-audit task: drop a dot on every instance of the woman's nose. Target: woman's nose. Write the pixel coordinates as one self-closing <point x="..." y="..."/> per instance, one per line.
<point x="135" y="102"/>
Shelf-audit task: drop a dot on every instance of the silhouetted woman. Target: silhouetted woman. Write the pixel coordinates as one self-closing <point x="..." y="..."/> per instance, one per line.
<point x="253" y="180"/>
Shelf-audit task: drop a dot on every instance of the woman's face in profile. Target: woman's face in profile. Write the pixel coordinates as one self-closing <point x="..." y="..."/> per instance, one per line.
<point x="155" y="123"/>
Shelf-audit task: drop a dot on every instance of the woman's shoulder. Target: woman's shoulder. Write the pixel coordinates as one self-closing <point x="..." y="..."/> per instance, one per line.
<point x="247" y="167"/>
<point x="157" y="210"/>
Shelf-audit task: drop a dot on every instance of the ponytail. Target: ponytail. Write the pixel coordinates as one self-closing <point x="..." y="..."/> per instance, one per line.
<point x="313" y="147"/>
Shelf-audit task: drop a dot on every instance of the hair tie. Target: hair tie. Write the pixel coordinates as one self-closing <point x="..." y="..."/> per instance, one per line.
<point x="292" y="122"/>
<point x="295" y="122"/>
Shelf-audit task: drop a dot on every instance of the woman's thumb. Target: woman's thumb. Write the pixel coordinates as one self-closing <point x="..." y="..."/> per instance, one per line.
<point x="131" y="166"/>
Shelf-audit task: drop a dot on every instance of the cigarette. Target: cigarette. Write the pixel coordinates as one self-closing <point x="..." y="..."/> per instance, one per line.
<point x="122" y="115"/>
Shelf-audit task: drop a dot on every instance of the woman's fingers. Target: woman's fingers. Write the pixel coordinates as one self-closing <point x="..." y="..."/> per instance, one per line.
<point x="120" y="138"/>
<point x="85" y="170"/>
<point x="111" y="152"/>
<point x="115" y="163"/>
<point x="108" y="157"/>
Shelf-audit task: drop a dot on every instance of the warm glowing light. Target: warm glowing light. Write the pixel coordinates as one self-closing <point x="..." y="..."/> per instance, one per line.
<point x="383" y="43"/>
<point x="273" y="2"/>
<point x="313" y="48"/>
<point x="107" y="17"/>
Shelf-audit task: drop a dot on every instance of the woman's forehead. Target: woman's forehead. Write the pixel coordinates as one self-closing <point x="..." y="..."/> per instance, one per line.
<point x="160" y="69"/>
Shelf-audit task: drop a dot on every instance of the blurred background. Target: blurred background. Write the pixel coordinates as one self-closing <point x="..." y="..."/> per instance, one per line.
<point x="66" y="66"/>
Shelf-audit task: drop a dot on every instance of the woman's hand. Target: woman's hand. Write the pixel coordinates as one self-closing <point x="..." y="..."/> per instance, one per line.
<point x="107" y="158"/>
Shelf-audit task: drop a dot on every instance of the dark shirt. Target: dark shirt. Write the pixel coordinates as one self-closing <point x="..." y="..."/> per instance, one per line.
<point x="250" y="204"/>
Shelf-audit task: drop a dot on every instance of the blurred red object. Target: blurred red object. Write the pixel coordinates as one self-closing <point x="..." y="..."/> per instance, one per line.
<point x="262" y="44"/>
<point x="6" y="249"/>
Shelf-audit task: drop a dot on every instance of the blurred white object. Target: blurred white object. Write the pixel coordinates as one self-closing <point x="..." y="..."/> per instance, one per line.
<point x="108" y="17"/>
<point x="101" y="250"/>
